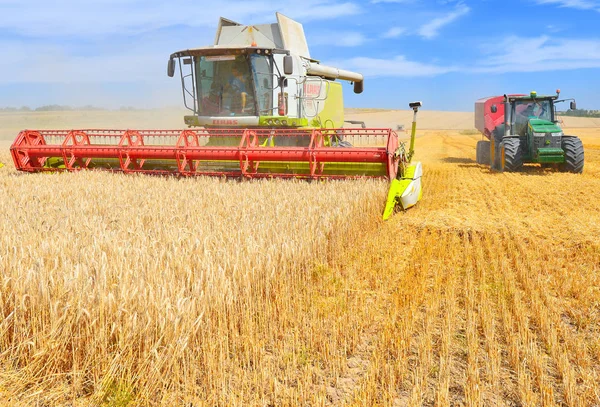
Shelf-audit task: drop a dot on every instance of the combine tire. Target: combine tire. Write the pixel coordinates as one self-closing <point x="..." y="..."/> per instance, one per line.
<point x="513" y="154"/>
<point x="483" y="155"/>
<point x="573" y="149"/>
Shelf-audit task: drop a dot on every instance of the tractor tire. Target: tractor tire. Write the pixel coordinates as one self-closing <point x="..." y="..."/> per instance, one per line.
<point x="513" y="154"/>
<point x="573" y="149"/>
<point x="483" y="154"/>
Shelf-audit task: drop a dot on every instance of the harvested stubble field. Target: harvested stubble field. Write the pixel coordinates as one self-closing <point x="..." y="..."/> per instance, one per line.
<point x="132" y="290"/>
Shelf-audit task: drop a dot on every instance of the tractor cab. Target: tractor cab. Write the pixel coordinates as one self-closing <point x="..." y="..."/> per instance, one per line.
<point x="253" y="76"/>
<point x="226" y="85"/>
<point x="260" y="76"/>
<point x="526" y="110"/>
<point x="232" y="86"/>
<point x="533" y="120"/>
<point x="532" y="114"/>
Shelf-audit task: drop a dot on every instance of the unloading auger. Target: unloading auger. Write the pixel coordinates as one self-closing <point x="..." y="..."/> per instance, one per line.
<point x="405" y="189"/>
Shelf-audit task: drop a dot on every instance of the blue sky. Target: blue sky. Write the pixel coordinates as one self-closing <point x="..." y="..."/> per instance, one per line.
<point x="448" y="53"/>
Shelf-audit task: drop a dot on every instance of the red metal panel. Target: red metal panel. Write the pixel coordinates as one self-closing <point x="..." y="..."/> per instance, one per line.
<point x="132" y="148"/>
<point x="485" y="120"/>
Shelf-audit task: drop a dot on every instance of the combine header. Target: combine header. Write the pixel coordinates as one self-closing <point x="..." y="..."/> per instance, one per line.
<point x="190" y="152"/>
<point x="259" y="106"/>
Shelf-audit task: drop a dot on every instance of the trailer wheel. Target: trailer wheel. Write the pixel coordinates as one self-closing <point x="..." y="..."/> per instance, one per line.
<point x="513" y="154"/>
<point x="573" y="149"/>
<point x="483" y="154"/>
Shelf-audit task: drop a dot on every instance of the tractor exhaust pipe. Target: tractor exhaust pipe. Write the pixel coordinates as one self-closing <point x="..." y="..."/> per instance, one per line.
<point x="507" y="129"/>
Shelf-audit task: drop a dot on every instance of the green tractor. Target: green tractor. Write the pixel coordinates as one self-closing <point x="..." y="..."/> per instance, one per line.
<point x="524" y="129"/>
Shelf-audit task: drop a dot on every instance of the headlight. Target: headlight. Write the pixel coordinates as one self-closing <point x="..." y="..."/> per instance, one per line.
<point x="539" y="134"/>
<point x="557" y="134"/>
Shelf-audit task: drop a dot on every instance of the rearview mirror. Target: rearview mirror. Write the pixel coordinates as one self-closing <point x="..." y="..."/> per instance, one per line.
<point x="573" y="105"/>
<point x="288" y="65"/>
<point x="171" y="68"/>
<point x="359" y="87"/>
<point x="494" y="109"/>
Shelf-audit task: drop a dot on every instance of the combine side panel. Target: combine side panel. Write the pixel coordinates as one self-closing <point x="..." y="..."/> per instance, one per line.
<point x="248" y="153"/>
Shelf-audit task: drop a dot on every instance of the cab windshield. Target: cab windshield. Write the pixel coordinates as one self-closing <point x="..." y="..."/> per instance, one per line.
<point x="526" y="110"/>
<point x="230" y="85"/>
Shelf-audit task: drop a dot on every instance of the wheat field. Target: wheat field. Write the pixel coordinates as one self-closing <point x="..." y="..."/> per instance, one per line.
<point x="121" y="290"/>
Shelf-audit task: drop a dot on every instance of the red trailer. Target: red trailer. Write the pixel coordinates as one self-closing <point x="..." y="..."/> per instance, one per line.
<point x="486" y="121"/>
<point x="489" y="120"/>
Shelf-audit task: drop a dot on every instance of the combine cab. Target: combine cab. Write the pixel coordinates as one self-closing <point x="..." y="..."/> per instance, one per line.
<point x="523" y="129"/>
<point x="259" y="106"/>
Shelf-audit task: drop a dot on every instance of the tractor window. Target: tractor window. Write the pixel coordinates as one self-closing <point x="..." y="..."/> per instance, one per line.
<point x="262" y="69"/>
<point x="544" y="110"/>
<point x="225" y="86"/>
<point x="523" y="110"/>
<point x="533" y="109"/>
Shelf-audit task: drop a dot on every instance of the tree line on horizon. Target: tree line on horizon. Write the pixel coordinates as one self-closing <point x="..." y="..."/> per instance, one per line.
<point x="582" y="113"/>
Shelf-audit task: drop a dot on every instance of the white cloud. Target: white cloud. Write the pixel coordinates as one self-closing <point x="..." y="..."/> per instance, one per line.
<point x="316" y="10"/>
<point x="542" y="54"/>
<point x="117" y="41"/>
<point x="35" y="63"/>
<point x="432" y="28"/>
<point x="577" y="4"/>
<point x="104" y="17"/>
<point x="394" y="32"/>
<point x="338" y="38"/>
<point x="398" y="66"/>
<point x="554" y="28"/>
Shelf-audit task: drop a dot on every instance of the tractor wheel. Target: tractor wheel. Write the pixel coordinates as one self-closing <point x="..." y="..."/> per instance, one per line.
<point x="482" y="154"/>
<point x="573" y="149"/>
<point x="513" y="154"/>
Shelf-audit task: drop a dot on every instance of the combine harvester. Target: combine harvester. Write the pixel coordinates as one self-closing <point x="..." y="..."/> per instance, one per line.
<point x="260" y="106"/>
<point x="524" y="129"/>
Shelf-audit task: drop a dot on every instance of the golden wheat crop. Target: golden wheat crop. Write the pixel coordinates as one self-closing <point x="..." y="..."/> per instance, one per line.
<point x="118" y="287"/>
<point x="133" y="290"/>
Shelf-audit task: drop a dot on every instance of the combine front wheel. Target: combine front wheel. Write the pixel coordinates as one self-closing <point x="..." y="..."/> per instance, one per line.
<point x="513" y="154"/>
<point x="573" y="149"/>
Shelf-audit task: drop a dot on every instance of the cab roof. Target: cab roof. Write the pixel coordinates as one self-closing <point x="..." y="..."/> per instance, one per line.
<point x="216" y="50"/>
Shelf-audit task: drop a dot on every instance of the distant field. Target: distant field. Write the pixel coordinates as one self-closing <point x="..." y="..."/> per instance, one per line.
<point x="12" y="123"/>
<point x="125" y="290"/>
<point x="438" y="120"/>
